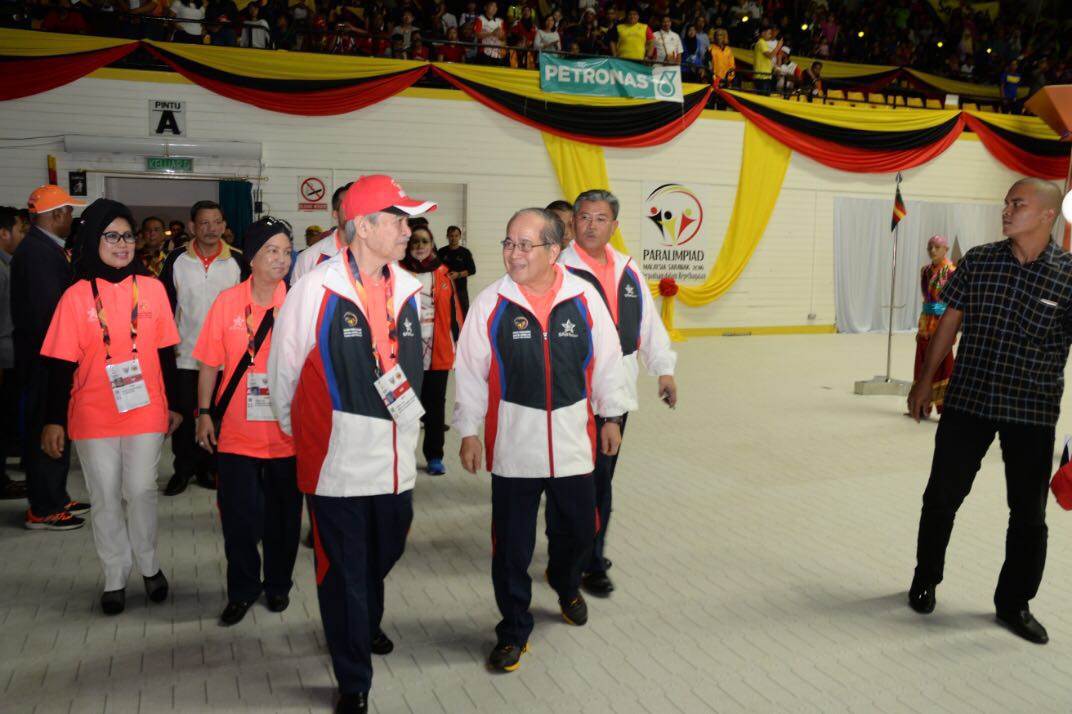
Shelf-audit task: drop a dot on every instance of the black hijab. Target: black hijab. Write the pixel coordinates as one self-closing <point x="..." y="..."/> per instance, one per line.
<point x="85" y="253"/>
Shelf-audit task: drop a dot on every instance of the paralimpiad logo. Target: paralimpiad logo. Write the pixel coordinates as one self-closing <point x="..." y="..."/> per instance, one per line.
<point x="676" y="212"/>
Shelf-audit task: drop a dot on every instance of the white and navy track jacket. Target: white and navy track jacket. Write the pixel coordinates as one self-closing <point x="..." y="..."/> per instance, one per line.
<point x="314" y="255"/>
<point x="639" y="327"/>
<point x="536" y="392"/>
<point x="321" y="372"/>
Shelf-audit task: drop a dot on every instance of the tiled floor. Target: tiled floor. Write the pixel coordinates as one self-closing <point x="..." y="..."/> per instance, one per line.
<point x="763" y="541"/>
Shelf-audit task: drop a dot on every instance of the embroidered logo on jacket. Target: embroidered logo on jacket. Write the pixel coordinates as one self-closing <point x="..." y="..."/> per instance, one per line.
<point x="407" y="328"/>
<point x="351" y="329"/>
<point x="629" y="291"/>
<point x="522" y="332"/>
<point x="568" y="329"/>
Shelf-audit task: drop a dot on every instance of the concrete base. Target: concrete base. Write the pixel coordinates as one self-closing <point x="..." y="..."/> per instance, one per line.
<point x="880" y="385"/>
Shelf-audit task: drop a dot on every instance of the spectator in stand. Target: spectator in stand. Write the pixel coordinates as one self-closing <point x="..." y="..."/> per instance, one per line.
<point x="459" y="261"/>
<point x="518" y="56"/>
<point x="786" y="73"/>
<point x="67" y="19"/>
<point x="490" y="32"/>
<point x="546" y="37"/>
<point x="141" y="19"/>
<point x="812" y="81"/>
<point x="441" y="321"/>
<point x="1010" y="86"/>
<point x="526" y="25"/>
<point x="443" y="19"/>
<point x="450" y="53"/>
<point x="764" y="52"/>
<point x="631" y="39"/>
<point x="407" y="29"/>
<point x="192" y="12"/>
<point x="723" y="64"/>
<point x="255" y="30"/>
<point x="471" y="14"/>
<point x="12" y="230"/>
<point x="666" y="44"/>
<point x="222" y="16"/>
<point x="404" y="6"/>
<point x="417" y="50"/>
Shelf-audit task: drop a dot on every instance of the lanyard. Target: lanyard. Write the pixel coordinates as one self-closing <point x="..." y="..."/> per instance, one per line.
<point x="251" y="346"/>
<point x="388" y="300"/>
<point x="103" y="320"/>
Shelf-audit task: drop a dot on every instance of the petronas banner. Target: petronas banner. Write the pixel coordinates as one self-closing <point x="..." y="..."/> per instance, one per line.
<point x="610" y="77"/>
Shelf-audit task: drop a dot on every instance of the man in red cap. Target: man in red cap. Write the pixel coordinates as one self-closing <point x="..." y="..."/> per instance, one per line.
<point x="40" y="273"/>
<point x="344" y="374"/>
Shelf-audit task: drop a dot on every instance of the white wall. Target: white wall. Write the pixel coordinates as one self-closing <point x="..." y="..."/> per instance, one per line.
<point x="487" y="167"/>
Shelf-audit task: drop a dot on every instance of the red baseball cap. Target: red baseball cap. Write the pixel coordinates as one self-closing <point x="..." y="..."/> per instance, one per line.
<point x="372" y="194"/>
<point x="50" y="197"/>
<point x="1061" y="485"/>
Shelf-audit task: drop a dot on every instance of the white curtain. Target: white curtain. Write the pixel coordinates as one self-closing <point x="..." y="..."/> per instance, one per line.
<point x="863" y="255"/>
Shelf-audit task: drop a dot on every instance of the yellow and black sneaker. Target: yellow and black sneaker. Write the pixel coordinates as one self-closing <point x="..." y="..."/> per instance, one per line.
<point x="574" y="610"/>
<point x="506" y="658"/>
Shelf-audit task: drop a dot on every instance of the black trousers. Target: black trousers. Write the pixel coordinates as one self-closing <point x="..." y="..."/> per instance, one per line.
<point x="9" y="421"/>
<point x="190" y="459"/>
<point x="434" y="401"/>
<point x="356" y="542"/>
<point x="571" y="521"/>
<point x="959" y="446"/>
<point x="46" y="478"/>
<point x="259" y="501"/>
<point x="603" y="476"/>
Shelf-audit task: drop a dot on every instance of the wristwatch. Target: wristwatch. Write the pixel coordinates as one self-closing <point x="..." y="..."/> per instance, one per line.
<point x="203" y="411"/>
<point x="613" y="420"/>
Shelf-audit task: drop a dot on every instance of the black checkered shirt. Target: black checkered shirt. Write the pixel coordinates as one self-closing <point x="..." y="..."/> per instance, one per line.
<point x="1016" y="333"/>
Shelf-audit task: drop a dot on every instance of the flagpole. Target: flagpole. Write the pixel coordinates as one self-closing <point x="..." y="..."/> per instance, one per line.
<point x="888" y="385"/>
<point x="893" y="293"/>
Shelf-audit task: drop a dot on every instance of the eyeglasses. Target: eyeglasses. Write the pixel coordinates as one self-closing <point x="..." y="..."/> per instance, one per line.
<point x="114" y="237"/>
<point x="524" y="246"/>
<point x="271" y="221"/>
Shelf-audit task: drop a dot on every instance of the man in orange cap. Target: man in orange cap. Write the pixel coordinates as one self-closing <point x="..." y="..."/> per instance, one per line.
<point x="40" y="272"/>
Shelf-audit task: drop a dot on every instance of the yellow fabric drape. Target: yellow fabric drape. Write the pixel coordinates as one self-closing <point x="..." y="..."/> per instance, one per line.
<point x="31" y="43"/>
<point x="763" y="165"/>
<point x="848" y="117"/>
<point x="580" y="167"/>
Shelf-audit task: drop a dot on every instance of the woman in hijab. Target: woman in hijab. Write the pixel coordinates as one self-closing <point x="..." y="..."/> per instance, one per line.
<point x="108" y="380"/>
<point x="441" y="321"/>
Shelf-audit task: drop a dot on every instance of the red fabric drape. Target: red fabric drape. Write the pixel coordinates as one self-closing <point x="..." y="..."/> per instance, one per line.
<point x="654" y="137"/>
<point x="316" y="103"/>
<point x="1015" y="158"/>
<point x="26" y="77"/>
<point x="845" y="158"/>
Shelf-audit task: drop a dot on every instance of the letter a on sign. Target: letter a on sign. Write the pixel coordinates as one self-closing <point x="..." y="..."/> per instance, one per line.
<point x="166" y="118"/>
<point x="168" y="124"/>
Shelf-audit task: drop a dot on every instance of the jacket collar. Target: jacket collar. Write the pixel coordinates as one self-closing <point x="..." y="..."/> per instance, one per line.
<point x="337" y="280"/>
<point x="572" y="259"/>
<point x="571" y="287"/>
<point x="225" y="253"/>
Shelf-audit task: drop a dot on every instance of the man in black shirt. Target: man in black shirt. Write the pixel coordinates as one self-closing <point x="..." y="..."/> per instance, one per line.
<point x="1013" y="300"/>
<point x="459" y="261"/>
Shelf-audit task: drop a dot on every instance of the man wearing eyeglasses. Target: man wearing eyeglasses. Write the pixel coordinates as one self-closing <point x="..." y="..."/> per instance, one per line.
<point x="194" y="276"/>
<point x="625" y="292"/>
<point x="537" y="359"/>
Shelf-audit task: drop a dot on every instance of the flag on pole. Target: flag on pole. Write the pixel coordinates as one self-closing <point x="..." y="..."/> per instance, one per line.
<point x="899" y="210"/>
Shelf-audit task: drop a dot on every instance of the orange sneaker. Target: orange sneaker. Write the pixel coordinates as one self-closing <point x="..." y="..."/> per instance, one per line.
<point x="62" y="521"/>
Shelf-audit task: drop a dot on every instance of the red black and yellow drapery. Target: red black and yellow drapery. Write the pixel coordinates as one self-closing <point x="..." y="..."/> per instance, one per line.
<point x="1024" y="144"/>
<point x="35" y="62"/>
<point x="605" y="121"/>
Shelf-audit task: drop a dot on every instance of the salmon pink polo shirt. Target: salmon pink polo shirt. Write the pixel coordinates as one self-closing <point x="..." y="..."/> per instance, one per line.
<point x="605" y="275"/>
<point x="542" y="304"/>
<point x="223" y="340"/>
<point x="376" y="312"/>
<point x="75" y="336"/>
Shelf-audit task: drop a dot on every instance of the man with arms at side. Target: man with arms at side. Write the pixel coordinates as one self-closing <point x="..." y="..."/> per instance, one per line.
<point x="40" y="273"/>
<point x="459" y="260"/>
<point x="348" y="332"/>
<point x="12" y="230"/>
<point x="537" y="360"/>
<point x="625" y="293"/>
<point x="194" y="276"/>
<point x="1013" y="302"/>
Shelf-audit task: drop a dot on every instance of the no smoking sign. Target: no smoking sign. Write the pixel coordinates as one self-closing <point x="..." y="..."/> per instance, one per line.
<point x="311" y="194"/>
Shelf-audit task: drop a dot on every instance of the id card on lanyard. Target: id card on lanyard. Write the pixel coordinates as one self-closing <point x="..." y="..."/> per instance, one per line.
<point x="393" y="386"/>
<point x="127" y="382"/>
<point x="258" y="400"/>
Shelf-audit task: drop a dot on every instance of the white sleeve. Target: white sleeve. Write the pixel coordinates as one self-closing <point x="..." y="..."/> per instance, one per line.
<point x="655" y="349"/>
<point x="472" y="364"/>
<point x="293" y="338"/>
<point x="305" y="262"/>
<point x="608" y="372"/>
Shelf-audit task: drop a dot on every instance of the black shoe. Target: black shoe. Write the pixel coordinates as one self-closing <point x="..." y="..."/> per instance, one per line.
<point x="77" y="508"/>
<point x="352" y="703"/>
<point x="278" y="603"/>
<point x="921" y="596"/>
<point x="113" y="602"/>
<point x="574" y="610"/>
<point x="597" y="584"/>
<point x="506" y="658"/>
<point x="234" y="612"/>
<point x="207" y="479"/>
<point x="177" y="484"/>
<point x="381" y="643"/>
<point x="1024" y="624"/>
<point x="156" y="586"/>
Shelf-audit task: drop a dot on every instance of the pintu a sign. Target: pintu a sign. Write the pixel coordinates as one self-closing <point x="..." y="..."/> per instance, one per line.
<point x="166" y="118"/>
